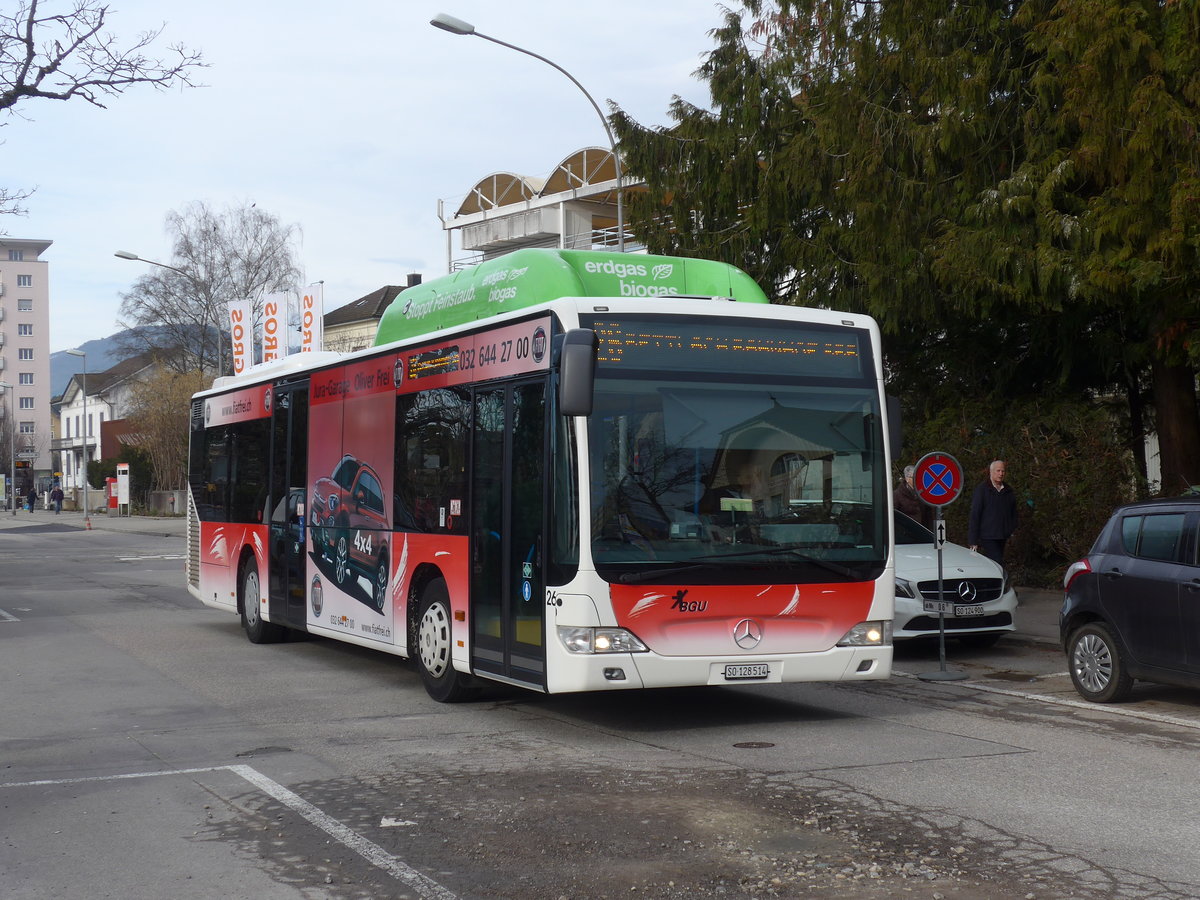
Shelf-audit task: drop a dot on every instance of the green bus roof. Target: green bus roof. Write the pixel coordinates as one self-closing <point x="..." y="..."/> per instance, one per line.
<point x="529" y="277"/>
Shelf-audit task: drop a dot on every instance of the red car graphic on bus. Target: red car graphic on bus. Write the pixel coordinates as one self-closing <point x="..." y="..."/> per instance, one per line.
<point x="349" y="525"/>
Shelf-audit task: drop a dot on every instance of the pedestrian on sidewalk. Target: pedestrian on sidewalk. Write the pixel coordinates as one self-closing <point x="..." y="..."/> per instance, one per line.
<point x="56" y="497"/>
<point x="31" y="498"/>
<point x="993" y="514"/>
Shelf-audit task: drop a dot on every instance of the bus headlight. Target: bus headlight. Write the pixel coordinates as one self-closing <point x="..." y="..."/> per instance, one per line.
<point x="868" y="634"/>
<point x="599" y="640"/>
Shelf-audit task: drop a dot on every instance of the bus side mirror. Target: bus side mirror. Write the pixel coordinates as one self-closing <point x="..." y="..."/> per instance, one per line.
<point x="577" y="372"/>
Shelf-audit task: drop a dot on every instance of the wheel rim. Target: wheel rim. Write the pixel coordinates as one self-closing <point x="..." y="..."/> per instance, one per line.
<point x="251" y="597"/>
<point x="1092" y="663"/>
<point x="433" y="639"/>
<point x="343" y="555"/>
<point x="381" y="580"/>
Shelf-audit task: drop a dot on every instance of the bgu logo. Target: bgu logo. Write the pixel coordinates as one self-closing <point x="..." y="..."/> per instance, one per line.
<point x="362" y="543"/>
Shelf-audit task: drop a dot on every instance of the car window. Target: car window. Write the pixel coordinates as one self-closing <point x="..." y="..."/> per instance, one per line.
<point x="373" y="493"/>
<point x="909" y="531"/>
<point x="1131" y="527"/>
<point x="1161" y="537"/>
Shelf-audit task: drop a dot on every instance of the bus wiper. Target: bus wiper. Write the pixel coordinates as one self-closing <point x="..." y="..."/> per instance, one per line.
<point x="714" y="560"/>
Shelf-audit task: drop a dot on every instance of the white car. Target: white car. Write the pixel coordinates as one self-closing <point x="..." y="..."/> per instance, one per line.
<point x="983" y="599"/>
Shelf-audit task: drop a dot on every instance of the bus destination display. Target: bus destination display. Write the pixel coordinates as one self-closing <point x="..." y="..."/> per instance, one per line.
<point x="743" y="346"/>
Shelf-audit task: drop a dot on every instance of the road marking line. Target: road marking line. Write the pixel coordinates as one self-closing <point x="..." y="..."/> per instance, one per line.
<point x="370" y="851"/>
<point x="1158" y="718"/>
<point x="8" y="617"/>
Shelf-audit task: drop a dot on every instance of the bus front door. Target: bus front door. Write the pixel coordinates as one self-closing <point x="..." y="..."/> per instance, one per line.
<point x="509" y="511"/>
<point x="289" y="476"/>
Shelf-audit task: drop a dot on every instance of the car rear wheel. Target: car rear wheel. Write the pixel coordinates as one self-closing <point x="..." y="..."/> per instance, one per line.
<point x="1097" y="667"/>
<point x="379" y="589"/>
<point x="434" y="643"/>
<point x="341" y="558"/>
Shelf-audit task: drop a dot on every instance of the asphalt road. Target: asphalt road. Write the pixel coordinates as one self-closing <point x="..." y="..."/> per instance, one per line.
<point x="148" y="750"/>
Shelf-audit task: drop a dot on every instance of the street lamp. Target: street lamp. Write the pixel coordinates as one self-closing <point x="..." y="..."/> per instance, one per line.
<point x="87" y="512"/>
<point x="12" y="449"/>
<point x="458" y="26"/>
<point x="125" y="254"/>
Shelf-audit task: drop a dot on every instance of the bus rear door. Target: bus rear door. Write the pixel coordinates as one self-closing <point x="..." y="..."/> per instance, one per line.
<point x="288" y="531"/>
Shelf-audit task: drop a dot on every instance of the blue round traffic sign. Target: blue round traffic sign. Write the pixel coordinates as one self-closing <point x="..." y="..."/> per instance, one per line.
<point x="938" y="478"/>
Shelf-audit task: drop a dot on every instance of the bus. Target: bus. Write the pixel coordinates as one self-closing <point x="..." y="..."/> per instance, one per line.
<point x="566" y="471"/>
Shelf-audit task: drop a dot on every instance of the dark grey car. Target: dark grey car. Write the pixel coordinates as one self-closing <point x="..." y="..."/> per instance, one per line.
<point x="1132" y="605"/>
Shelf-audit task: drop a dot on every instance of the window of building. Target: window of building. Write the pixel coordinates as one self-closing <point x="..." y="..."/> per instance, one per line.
<point x="67" y="426"/>
<point x="25" y="328"/>
<point x="16" y="255"/>
<point x="24" y="281"/>
<point x="27" y="428"/>
<point x="24" y="306"/>
<point x="25" y="353"/>
<point x="26" y="403"/>
<point x="25" y="378"/>
<point x="77" y="431"/>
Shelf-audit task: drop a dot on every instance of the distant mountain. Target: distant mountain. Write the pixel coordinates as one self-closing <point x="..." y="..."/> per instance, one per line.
<point x="102" y="354"/>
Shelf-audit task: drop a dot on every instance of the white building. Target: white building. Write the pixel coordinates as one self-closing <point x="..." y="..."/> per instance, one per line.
<point x="25" y="353"/>
<point x="83" y="435"/>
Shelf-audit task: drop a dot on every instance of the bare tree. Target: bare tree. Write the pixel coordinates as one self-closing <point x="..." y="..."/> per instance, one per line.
<point x="68" y="55"/>
<point x="218" y="256"/>
<point x="158" y="416"/>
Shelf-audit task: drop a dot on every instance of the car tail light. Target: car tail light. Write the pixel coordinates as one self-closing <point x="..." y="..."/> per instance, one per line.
<point x="1073" y="570"/>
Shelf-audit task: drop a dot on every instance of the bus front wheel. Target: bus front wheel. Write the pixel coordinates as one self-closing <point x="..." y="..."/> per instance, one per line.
<point x="434" y="643"/>
<point x="258" y="631"/>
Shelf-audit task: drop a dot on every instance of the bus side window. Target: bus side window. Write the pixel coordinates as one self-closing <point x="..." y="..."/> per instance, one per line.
<point x="431" y="453"/>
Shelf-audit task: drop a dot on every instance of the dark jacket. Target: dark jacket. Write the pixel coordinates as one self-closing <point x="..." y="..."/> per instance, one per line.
<point x="905" y="499"/>
<point x="993" y="514"/>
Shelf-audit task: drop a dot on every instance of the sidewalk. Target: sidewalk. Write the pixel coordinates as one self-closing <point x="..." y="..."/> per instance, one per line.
<point x="165" y="526"/>
<point x="1037" y="615"/>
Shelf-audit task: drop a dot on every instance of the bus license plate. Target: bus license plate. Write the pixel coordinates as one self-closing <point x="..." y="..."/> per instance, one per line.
<point x="744" y="671"/>
<point x="967" y="611"/>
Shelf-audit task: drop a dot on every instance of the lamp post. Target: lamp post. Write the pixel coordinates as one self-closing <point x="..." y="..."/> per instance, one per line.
<point x="12" y="449"/>
<point x="87" y="511"/>
<point x="458" y="26"/>
<point x="125" y="254"/>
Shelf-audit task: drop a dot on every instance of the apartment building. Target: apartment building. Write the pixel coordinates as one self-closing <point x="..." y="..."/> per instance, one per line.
<point x="25" y="352"/>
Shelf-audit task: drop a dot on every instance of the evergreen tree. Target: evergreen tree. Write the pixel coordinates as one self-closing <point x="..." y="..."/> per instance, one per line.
<point x="1009" y="188"/>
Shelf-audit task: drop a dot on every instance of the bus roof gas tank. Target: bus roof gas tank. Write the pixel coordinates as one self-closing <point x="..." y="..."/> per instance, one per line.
<point x="530" y="277"/>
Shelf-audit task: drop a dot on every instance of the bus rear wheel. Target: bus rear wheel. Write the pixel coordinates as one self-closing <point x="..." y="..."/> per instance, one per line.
<point x="258" y="631"/>
<point x="434" y="647"/>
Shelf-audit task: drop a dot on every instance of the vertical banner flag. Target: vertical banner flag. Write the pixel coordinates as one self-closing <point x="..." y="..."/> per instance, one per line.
<point x="312" y="317"/>
<point x="274" y="334"/>
<point x="241" y="335"/>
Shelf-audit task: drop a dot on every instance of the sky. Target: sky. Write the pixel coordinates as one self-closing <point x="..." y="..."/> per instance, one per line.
<point x="350" y="122"/>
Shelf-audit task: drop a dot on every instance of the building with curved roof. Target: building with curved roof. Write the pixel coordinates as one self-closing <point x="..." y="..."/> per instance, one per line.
<point x="572" y="208"/>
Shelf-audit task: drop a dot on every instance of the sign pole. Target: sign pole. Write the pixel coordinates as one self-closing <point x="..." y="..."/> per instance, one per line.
<point x="938" y="480"/>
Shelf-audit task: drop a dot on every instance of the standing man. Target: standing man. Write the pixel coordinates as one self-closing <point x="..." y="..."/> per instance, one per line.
<point x="993" y="514"/>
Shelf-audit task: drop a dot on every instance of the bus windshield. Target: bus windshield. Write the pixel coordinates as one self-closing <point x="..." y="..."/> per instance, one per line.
<point x="732" y="473"/>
